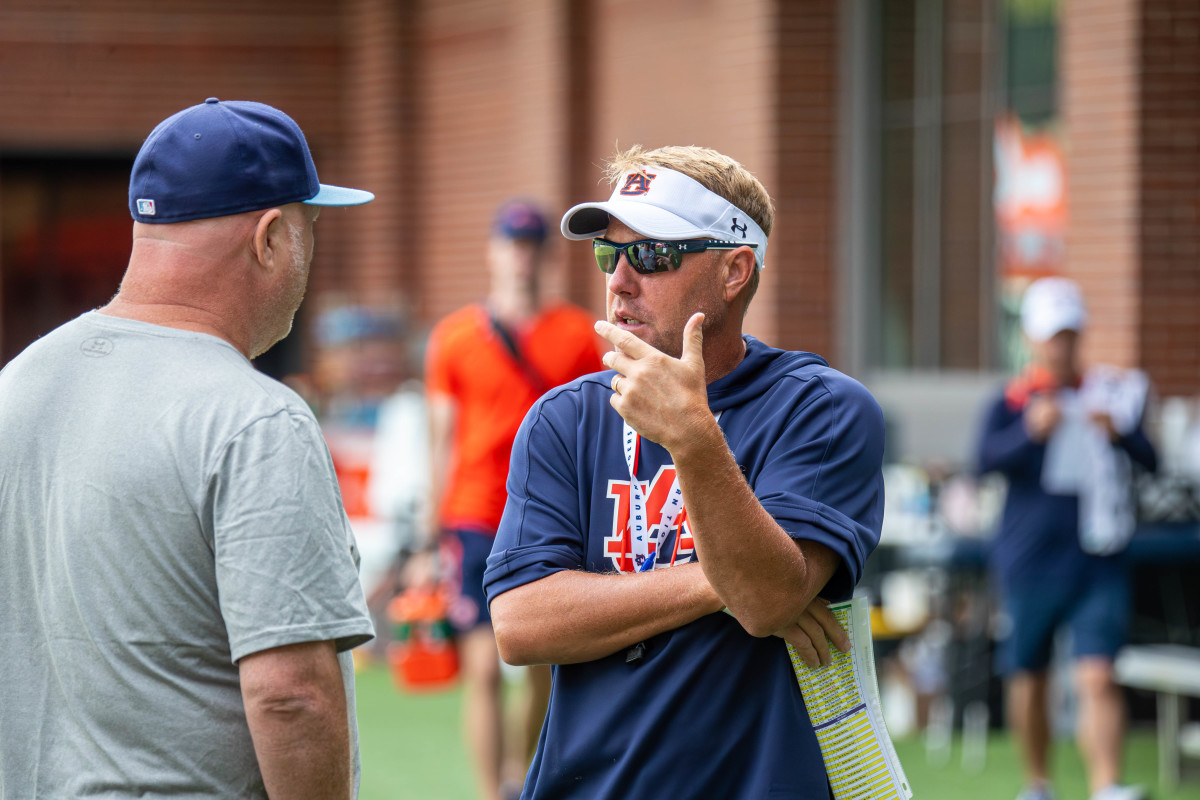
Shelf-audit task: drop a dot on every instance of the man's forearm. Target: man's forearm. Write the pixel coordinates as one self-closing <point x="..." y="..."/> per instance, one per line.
<point x="442" y="415"/>
<point x="766" y="578"/>
<point x="296" y="710"/>
<point x="303" y="753"/>
<point x="571" y="616"/>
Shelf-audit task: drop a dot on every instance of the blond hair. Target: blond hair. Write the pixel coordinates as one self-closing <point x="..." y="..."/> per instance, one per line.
<point x="716" y="172"/>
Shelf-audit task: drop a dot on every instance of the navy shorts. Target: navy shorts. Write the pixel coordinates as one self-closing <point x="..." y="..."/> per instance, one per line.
<point x="467" y="551"/>
<point x="1093" y="605"/>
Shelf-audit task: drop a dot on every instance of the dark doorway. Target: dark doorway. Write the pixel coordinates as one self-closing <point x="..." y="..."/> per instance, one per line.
<point x="64" y="241"/>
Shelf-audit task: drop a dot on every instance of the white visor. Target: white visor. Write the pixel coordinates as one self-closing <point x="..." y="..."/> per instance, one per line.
<point x="662" y="203"/>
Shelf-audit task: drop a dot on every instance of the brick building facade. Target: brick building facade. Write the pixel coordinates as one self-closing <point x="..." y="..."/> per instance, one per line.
<point x="445" y="108"/>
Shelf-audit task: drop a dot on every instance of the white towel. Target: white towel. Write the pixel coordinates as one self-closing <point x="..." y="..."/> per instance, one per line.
<point x="1081" y="460"/>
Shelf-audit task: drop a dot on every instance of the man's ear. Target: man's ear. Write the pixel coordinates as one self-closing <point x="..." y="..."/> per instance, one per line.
<point x="738" y="269"/>
<point x="269" y="241"/>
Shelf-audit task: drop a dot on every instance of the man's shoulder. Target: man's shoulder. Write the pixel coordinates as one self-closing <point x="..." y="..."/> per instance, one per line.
<point x="586" y="393"/>
<point x="842" y="386"/>
<point x="462" y="323"/>
<point x="809" y="375"/>
<point x="248" y="396"/>
<point x="576" y="404"/>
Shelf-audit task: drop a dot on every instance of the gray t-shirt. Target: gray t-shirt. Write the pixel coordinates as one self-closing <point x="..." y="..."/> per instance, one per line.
<point x="165" y="510"/>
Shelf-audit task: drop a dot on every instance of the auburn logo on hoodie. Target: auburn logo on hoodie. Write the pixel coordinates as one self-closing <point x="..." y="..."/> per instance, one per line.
<point x="678" y="546"/>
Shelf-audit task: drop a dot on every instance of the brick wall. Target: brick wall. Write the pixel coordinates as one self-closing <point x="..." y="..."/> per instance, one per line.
<point x="800" y="289"/>
<point x="489" y="127"/>
<point x="446" y="107"/>
<point x="1169" y="188"/>
<point x="689" y="88"/>
<point x="965" y="185"/>
<point x="379" y="98"/>
<point x="96" y="77"/>
<point x="1131" y="82"/>
<point x="531" y="97"/>
<point x="1099" y="81"/>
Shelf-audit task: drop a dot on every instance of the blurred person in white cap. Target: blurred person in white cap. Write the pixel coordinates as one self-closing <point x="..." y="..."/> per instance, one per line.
<point x="485" y="365"/>
<point x="178" y="577"/>
<point x="704" y="471"/>
<point x="1065" y="438"/>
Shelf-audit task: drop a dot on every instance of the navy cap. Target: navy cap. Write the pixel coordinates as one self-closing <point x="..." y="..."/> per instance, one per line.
<point x="220" y="158"/>
<point x="520" y="219"/>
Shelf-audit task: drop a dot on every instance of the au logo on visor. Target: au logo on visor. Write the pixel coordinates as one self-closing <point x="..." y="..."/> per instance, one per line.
<point x="637" y="183"/>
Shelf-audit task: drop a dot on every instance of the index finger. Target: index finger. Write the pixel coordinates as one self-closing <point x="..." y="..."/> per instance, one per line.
<point x="624" y="341"/>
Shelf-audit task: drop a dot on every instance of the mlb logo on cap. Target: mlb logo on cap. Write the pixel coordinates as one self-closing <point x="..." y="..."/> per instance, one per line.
<point x="145" y="207"/>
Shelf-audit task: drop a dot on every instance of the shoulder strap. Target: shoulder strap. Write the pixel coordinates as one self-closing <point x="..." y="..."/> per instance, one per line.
<point x="510" y="344"/>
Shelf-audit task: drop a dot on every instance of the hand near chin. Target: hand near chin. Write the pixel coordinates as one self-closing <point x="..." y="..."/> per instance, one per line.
<point x="664" y="399"/>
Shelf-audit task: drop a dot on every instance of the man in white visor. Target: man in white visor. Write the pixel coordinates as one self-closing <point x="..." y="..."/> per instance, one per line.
<point x="705" y="471"/>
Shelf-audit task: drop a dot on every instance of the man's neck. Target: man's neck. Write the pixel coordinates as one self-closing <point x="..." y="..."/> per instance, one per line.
<point x="723" y="359"/>
<point x="180" y="316"/>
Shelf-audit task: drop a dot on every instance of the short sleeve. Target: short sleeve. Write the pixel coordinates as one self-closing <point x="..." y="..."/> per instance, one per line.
<point x="542" y="531"/>
<point x="823" y="481"/>
<point x="286" y="563"/>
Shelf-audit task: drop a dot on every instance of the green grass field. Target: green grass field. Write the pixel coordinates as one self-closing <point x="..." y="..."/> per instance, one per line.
<point x="412" y="750"/>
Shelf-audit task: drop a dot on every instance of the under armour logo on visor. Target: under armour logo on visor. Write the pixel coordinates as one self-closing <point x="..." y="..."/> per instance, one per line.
<point x="637" y="183"/>
<point x="736" y="228"/>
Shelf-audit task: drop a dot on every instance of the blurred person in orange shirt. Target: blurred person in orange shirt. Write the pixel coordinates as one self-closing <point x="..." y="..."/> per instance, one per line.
<point x="486" y="365"/>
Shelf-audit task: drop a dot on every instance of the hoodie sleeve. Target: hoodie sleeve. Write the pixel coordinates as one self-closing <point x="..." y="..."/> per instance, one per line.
<point x="1139" y="448"/>
<point x="822" y="480"/>
<point x="1004" y="444"/>
<point x="542" y="531"/>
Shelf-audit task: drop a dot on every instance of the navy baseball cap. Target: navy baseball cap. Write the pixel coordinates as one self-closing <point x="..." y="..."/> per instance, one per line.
<point x="226" y="157"/>
<point x="520" y="219"/>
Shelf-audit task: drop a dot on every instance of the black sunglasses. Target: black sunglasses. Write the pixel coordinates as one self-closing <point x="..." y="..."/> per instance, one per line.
<point x="648" y="256"/>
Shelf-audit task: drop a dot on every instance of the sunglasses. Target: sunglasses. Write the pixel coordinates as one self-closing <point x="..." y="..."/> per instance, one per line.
<point x="648" y="256"/>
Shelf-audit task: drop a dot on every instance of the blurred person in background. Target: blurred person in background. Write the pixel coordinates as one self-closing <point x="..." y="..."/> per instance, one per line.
<point x="486" y="364"/>
<point x="178" y="578"/>
<point x="370" y="401"/>
<point x="1064" y="438"/>
<point x="635" y="515"/>
<point x="363" y="355"/>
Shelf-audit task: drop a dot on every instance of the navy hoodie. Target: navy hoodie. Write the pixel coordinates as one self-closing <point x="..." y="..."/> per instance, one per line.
<point x="708" y="711"/>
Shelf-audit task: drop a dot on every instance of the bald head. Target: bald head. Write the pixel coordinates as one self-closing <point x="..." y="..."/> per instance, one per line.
<point x="239" y="277"/>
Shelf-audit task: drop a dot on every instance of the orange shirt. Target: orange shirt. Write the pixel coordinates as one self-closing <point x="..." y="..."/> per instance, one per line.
<point x="468" y="361"/>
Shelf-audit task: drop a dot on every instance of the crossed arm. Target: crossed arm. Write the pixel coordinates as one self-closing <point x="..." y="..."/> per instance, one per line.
<point x="748" y="563"/>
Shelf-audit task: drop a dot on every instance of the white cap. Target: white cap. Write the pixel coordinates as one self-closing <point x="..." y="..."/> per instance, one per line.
<point x="1051" y="305"/>
<point x="659" y="202"/>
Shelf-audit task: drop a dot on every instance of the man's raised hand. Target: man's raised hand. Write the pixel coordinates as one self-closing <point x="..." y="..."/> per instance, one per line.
<point x="664" y="399"/>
